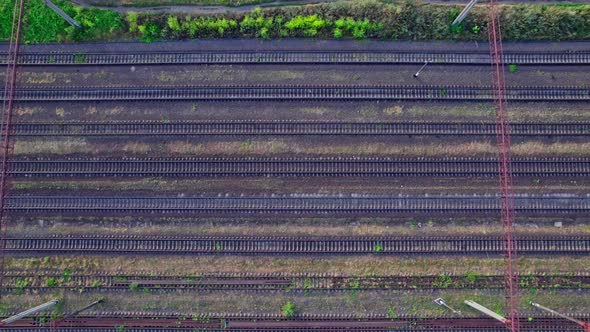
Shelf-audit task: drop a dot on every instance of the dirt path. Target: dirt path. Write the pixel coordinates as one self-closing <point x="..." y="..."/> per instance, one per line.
<point x="197" y="9"/>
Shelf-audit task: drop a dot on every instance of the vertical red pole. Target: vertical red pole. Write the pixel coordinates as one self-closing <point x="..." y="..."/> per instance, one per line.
<point x="7" y="106"/>
<point x="504" y="165"/>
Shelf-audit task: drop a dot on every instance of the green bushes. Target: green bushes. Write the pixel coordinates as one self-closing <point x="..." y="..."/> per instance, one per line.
<point x="307" y="26"/>
<point x="44" y="26"/>
<point x="342" y="19"/>
<point x="288" y="310"/>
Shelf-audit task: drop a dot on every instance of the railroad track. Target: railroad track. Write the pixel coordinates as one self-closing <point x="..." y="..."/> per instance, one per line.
<point x="297" y="204"/>
<point x="230" y="127"/>
<point x="262" y="282"/>
<point x="468" y="245"/>
<point x="297" y="92"/>
<point x="219" y="167"/>
<point x="297" y="57"/>
<point x="276" y="323"/>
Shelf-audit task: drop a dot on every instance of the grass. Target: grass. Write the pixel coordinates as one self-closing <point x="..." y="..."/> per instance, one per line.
<point x="362" y="265"/>
<point x="44" y="25"/>
<point x="513" y="68"/>
<point x="151" y="3"/>
<point x="288" y="310"/>
<point x="357" y="303"/>
<point x="265" y="147"/>
<point x="343" y="19"/>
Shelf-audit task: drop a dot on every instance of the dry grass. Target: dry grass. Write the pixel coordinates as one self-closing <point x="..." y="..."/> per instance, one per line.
<point x="315" y="110"/>
<point x="423" y="150"/>
<point x="358" y="302"/>
<point x="212" y="74"/>
<point x="368" y="265"/>
<point x="394" y="110"/>
<point x="52" y="146"/>
<point x="303" y="227"/>
<point x="244" y="147"/>
<point x="26" y="111"/>
<point x="136" y="148"/>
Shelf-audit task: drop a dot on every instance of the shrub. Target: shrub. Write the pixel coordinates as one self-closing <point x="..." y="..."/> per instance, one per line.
<point x="132" y="21"/>
<point x="355" y="19"/>
<point x="377" y="247"/>
<point x="150" y="32"/>
<point x="21" y="284"/>
<point x="471" y="277"/>
<point x="288" y="310"/>
<point x="51" y="282"/>
<point x="67" y="274"/>
<point x="173" y="23"/>
<point x="513" y="68"/>
<point x="133" y="287"/>
<point x="444" y="281"/>
<point x="392" y="313"/>
<point x="309" y="25"/>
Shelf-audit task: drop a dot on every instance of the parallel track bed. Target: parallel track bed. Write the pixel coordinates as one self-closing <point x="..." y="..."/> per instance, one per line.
<point x="294" y="245"/>
<point x="297" y="57"/>
<point x="216" y="167"/>
<point x="108" y="281"/>
<point x="230" y="127"/>
<point x="272" y="323"/>
<point x="302" y="93"/>
<point x="296" y="204"/>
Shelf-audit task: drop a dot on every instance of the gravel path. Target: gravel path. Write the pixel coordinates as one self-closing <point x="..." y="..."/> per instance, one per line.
<point x="298" y="45"/>
<point x="195" y="9"/>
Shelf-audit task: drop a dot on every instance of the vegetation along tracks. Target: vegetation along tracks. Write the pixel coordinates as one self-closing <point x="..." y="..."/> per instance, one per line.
<point x="298" y="204"/>
<point x="298" y="57"/>
<point x="466" y="245"/>
<point x="239" y="322"/>
<point x="46" y="280"/>
<point x="301" y="92"/>
<point x="219" y="167"/>
<point x="286" y="127"/>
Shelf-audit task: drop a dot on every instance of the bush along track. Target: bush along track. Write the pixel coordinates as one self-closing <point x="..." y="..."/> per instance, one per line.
<point x="21" y="282"/>
<point x="338" y="20"/>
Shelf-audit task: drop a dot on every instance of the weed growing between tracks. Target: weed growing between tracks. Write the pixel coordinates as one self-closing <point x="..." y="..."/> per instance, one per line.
<point x="351" y="302"/>
<point x="367" y="265"/>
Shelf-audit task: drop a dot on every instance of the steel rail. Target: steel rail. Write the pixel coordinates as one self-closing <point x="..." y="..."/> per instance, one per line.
<point x="263" y="282"/>
<point x="295" y="57"/>
<point x="297" y="204"/>
<point x="303" y="322"/>
<point x="237" y="127"/>
<point x="285" y="167"/>
<point x="299" y="92"/>
<point x="271" y="323"/>
<point x="466" y="245"/>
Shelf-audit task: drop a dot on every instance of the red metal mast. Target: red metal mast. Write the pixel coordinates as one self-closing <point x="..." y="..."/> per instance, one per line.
<point x="7" y="106"/>
<point x="504" y="164"/>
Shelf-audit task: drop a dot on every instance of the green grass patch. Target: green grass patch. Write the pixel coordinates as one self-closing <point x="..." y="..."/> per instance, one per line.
<point x="42" y="25"/>
<point x="152" y="3"/>
<point x="369" y="19"/>
<point x="288" y="310"/>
